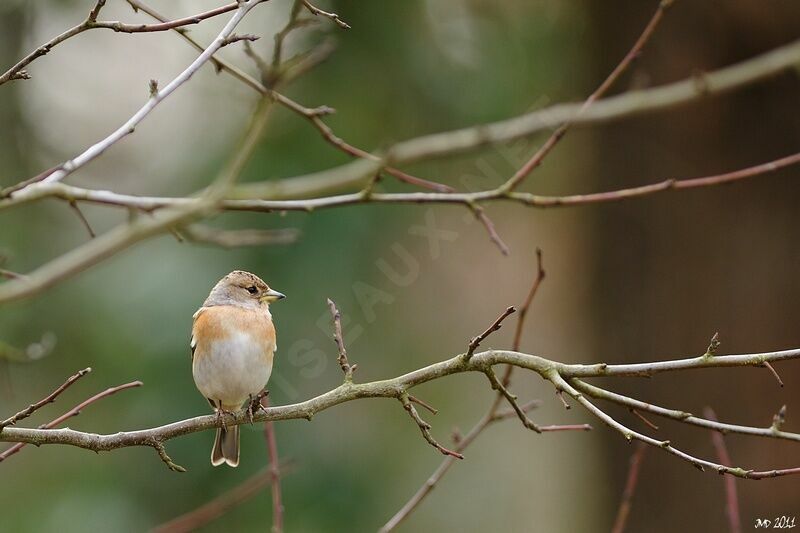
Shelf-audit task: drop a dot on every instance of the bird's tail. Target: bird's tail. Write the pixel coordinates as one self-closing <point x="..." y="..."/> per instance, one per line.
<point x="226" y="447"/>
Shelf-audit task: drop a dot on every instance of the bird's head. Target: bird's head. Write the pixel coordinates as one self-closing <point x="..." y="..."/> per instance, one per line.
<point x="243" y="289"/>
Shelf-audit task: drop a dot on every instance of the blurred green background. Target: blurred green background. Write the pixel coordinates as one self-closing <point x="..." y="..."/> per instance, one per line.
<point x="647" y="279"/>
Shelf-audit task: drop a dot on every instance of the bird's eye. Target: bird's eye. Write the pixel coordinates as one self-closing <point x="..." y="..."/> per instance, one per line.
<point x="252" y="289"/>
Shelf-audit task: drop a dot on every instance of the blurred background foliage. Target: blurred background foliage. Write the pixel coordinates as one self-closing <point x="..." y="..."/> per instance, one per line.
<point x="636" y="281"/>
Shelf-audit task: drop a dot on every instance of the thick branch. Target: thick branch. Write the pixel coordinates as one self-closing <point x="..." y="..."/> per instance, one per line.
<point x="395" y="388"/>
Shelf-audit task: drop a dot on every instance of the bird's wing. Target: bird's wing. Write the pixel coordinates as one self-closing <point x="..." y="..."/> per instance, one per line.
<point x="193" y="341"/>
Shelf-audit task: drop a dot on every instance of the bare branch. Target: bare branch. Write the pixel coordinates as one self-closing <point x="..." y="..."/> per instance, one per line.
<point x="220" y="505"/>
<point x="165" y="26"/>
<point x="553" y="371"/>
<point x="484" y="219"/>
<point x="426" y="405"/>
<point x="559" y="133"/>
<point x="32" y="408"/>
<point x="302" y="186"/>
<point x="666" y="445"/>
<point x="425" y="428"/>
<point x="16" y="72"/>
<point x="644" y="420"/>
<point x="82" y="218"/>
<point x="70" y="166"/>
<point x="337" y="337"/>
<point x="333" y="16"/>
<point x="497" y="324"/>
<point x="774" y="373"/>
<point x="630" y="487"/>
<point x="731" y="499"/>
<point x="274" y="471"/>
<point x="492" y="415"/>
<point x="162" y="453"/>
<point x="680" y="416"/>
<point x="496" y="385"/>
<point x="75" y="411"/>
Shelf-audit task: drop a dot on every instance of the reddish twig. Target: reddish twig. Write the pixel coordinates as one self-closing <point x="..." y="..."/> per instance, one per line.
<point x="426" y="405"/>
<point x="669" y="184"/>
<point x="484" y="219"/>
<point x="512" y="400"/>
<point x="774" y="373"/>
<point x="560" y="396"/>
<point x="220" y="505"/>
<point x="492" y="415"/>
<point x="630" y="487"/>
<point x="274" y="472"/>
<point x="645" y="420"/>
<point x="497" y="324"/>
<point x="75" y="411"/>
<point x="551" y="142"/>
<point x="731" y="499"/>
<point x="32" y="408"/>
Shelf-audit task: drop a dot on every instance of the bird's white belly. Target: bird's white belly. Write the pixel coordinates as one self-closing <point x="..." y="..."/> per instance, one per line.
<point x="233" y="369"/>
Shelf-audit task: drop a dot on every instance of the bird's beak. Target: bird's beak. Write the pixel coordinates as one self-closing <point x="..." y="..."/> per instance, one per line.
<point x="272" y="296"/>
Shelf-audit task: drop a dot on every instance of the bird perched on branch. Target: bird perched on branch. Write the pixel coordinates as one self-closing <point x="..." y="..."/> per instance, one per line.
<point x="233" y="342"/>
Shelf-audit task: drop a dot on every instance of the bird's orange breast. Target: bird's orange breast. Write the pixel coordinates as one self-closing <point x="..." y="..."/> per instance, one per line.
<point x="220" y="323"/>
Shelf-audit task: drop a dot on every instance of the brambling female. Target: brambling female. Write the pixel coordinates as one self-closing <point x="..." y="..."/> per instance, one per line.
<point x="233" y="342"/>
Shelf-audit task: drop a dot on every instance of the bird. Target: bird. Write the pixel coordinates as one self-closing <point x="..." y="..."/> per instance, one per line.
<point x="233" y="343"/>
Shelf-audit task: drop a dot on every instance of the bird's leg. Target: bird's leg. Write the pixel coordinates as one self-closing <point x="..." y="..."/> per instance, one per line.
<point x="221" y="412"/>
<point x="255" y="404"/>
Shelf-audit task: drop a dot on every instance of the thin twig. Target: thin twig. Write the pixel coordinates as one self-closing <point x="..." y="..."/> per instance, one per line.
<point x="220" y="505"/>
<point x="274" y="471"/>
<point x="305" y="185"/>
<point x="313" y="115"/>
<point x="680" y="416"/>
<point x="644" y="420"/>
<point x="731" y="499"/>
<point x="484" y="219"/>
<point x="665" y="445"/>
<point x="497" y="324"/>
<point x="425" y="428"/>
<point x="630" y="487"/>
<point x="333" y="16"/>
<point x="32" y="408"/>
<point x="337" y="337"/>
<point x="426" y="405"/>
<point x="17" y="71"/>
<point x="70" y="166"/>
<point x="512" y="400"/>
<point x="75" y="411"/>
<point x="82" y="218"/>
<point x="492" y="415"/>
<point x="558" y="134"/>
<point x="774" y="373"/>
